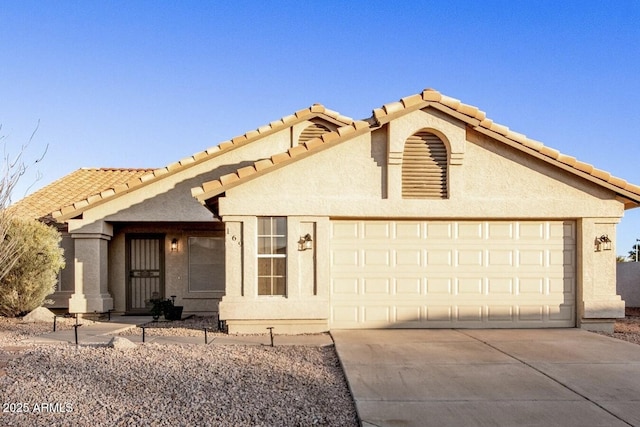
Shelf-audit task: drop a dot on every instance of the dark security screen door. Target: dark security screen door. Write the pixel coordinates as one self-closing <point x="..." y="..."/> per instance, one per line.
<point x="145" y="271"/>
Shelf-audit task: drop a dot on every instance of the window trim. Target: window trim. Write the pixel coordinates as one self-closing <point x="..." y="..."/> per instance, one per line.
<point x="272" y="238"/>
<point x="202" y="293"/>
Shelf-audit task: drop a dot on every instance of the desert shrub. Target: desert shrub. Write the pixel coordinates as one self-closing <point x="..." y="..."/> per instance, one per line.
<point x="35" y="274"/>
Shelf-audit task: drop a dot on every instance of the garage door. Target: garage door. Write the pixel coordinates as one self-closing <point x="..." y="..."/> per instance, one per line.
<point x="452" y="274"/>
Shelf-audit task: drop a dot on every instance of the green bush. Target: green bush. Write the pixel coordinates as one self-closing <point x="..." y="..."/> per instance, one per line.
<point x="35" y="274"/>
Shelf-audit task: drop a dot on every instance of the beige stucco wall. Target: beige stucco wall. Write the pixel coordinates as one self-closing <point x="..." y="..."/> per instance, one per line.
<point x="353" y="187"/>
<point x="356" y="179"/>
<point x="66" y="277"/>
<point x="628" y="282"/>
<point x="306" y="304"/>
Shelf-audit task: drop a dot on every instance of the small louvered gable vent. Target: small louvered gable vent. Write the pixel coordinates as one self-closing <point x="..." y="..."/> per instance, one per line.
<point x="313" y="131"/>
<point x="424" y="167"/>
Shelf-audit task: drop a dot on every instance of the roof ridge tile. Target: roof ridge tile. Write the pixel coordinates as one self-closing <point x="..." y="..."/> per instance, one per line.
<point x="584" y="167"/>
<point x="297" y="150"/>
<point x="633" y="188"/>
<point x="411" y="100"/>
<point x="393" y="107"/>
<point x="431" y="95"/>
<point x="229" y="178"/>
<point x="450" y="102"/>
<point x="329" y="136"/>
<point x="263" y="164"/>
<point x="313" y="143"/>
<point x="280" y="157"/>
<point x="246" y="171"/>
<point x="550" y="152"/>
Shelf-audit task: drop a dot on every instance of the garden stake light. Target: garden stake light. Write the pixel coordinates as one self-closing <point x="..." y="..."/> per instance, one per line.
<point x="75" y="327"/>
<point x="270" y="328"/>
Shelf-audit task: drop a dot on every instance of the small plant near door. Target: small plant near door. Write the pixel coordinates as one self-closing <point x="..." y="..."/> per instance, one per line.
<point x="159" y="306"/>
<point x="172" y="311"/>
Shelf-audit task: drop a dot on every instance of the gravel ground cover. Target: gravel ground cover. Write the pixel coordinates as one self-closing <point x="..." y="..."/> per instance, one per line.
<point x="13" y="331"/>
<point x="628" y="329"/>
<point x="181" y="385"/>
<point x="190" y="327"/>
<point x="171" y="385"/>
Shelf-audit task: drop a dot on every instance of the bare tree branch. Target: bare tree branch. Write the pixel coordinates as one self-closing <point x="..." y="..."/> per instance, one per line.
<point x="11" y="170"/>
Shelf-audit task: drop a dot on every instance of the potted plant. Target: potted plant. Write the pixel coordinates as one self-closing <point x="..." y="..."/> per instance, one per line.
<point x="172" y="311"/>
<point x="159" y="306"/>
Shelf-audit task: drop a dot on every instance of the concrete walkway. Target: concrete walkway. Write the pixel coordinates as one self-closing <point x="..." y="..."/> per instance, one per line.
<point x="101" y="332"/>
<point x="542" y="377"/>
<point x="91" y="332"/>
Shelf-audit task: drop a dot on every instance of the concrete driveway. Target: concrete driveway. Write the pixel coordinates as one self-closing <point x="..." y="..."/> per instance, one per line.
<point x="465" y="378"/>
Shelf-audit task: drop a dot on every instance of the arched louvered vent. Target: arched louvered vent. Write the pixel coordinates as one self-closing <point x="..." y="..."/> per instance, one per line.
<point x="424" y="167"/>
<point x="313" y="131"/>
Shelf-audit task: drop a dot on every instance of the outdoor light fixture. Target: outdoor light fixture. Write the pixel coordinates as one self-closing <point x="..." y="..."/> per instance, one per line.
<point x="174" y="245"/>
<point x="603" y="243"/>
<point x="305" y="243"/>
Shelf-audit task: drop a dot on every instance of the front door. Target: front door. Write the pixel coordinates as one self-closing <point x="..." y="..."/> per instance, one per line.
<point x="145" y="271"/>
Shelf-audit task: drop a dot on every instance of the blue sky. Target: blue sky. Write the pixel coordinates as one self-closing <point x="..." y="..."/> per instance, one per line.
<point x="146" y="83"/>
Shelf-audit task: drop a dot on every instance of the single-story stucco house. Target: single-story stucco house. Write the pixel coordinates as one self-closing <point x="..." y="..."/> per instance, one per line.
<point x="427" y="214"/>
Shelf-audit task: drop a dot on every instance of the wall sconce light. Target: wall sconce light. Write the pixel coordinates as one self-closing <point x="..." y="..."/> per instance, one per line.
<point x="603" y="243"/>
<point x="305" y="243"/>
<point x="174" y="245"/>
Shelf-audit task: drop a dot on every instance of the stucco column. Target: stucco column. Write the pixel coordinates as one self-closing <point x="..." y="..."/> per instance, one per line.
<point x="234" y="260"/>
<point x="91" y="265"/>
<point x="598" y="304"/>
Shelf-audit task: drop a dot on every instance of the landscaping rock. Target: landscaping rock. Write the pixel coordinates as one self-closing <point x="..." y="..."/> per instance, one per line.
<point x="121" y="343"/>
<point x="40" y="314"/>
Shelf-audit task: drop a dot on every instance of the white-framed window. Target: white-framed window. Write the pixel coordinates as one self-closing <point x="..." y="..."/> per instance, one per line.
<point x="206" y="264"/>
<point x="272" y="256"/>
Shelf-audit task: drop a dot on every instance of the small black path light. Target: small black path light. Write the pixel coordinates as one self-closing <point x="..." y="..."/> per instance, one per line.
<point x="75" y="327"/>
<point x="270" y="328"/>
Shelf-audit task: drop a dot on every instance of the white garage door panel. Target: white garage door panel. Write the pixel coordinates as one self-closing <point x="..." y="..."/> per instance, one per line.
<point x="453" y="274"/>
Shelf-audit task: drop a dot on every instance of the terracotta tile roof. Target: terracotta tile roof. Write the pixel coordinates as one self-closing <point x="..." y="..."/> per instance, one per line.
<point x="74" y="207"/>
<point x="77" y="185"/>
<point x="428" y="98"/>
